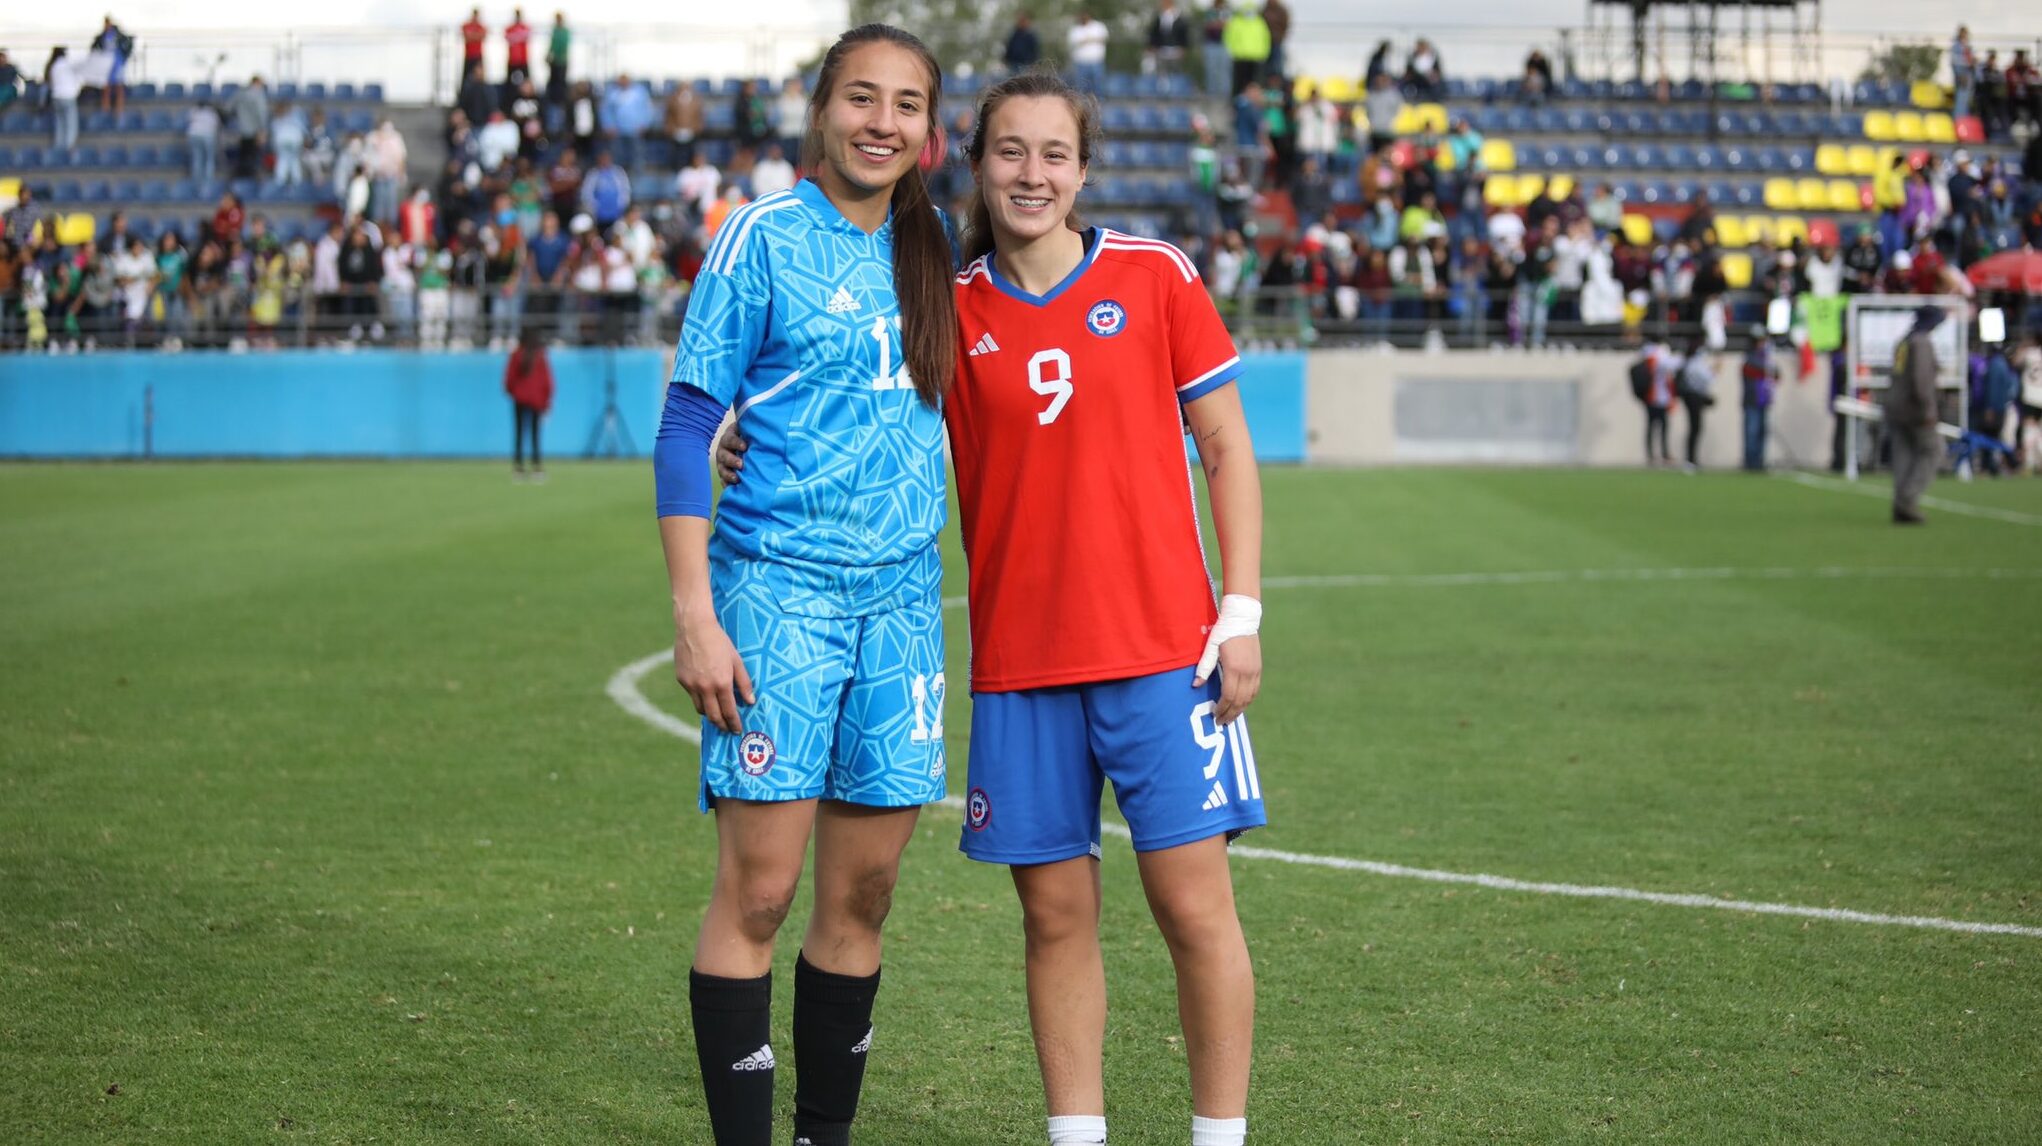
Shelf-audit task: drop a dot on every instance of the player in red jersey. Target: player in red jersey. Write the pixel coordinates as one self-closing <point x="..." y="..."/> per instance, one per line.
<point x="1094" y="635"/>
<point x="1094" y="632"/>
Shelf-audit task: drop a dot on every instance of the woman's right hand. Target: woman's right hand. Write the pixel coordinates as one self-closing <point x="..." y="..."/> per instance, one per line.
<point x="707" y="665"/>
<point x="730" y="450"/>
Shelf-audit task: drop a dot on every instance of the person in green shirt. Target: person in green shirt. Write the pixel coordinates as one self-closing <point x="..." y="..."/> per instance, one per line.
<point x="556" y="73"/>
<point x="171" y="292"/>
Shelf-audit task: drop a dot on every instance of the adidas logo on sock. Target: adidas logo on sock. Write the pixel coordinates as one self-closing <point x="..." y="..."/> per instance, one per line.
<point x="1217" y="799"/>
<point x="864" y="1044"/>
<point x="985" y="345"/>
<point x="760" y="1059"/>
<point x="842" y="302"/>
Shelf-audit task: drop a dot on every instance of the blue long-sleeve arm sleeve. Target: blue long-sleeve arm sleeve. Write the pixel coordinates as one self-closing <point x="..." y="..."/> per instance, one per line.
<point x="680" y="456"/>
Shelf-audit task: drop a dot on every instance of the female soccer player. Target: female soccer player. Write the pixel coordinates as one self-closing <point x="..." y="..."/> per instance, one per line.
<point x="808" y="625"/>
<point x="1094" y="634"/>
<point x="1093" y="630"/>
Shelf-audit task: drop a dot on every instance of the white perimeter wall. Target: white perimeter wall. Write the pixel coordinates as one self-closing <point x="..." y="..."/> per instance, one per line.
<point x="1373" y="407"/>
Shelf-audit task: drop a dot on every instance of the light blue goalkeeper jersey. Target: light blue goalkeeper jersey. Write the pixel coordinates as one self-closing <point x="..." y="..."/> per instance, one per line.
<point x="794" y="324"/>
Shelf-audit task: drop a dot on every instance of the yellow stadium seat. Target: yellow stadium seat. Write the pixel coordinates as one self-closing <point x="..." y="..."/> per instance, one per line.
<point x="1908" y="127"/>
<point x="1843" y="196"/>
<point x="1811" y="194"/>
<point x="75" y="229"/>
<point x="1864" y="161"/>
<point x="1832" y="159"/>
<point x="1340" y="89"/>
<point x="10" y="189"/>
<point x="1638" y="229"/>
<point x="1499" y="155"/>
<point x="1779" y="194"/>
<point x="1407" y="121"/>
<point x="1929" y="95"/>
<point x="1529" y="186"/>
<point x="1500" y="191"/>
<point x="1939" y="127"/>
<point x="1787" y="228"/>
<point x="1879" y="127"/>
<point x="1759" y="229"/>
<point x="1737" y="270"/>
<point x="1432" y="118"/>
<point x="1302" y="88"/>
<point x="1730" y="231"/>
<point x="1560" y="186"/>
<point x="1443" y="158"/>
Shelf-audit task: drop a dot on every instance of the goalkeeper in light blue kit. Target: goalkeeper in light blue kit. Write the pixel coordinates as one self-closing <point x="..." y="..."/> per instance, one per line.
<point x="808" y="624"/>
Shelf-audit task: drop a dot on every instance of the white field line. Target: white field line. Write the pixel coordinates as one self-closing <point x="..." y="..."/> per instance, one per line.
<point x="1884" y="492"/>
<point x="623" y="688"/>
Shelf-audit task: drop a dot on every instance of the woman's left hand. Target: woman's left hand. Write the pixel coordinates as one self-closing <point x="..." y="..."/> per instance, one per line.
<point x="1240" y="677"/>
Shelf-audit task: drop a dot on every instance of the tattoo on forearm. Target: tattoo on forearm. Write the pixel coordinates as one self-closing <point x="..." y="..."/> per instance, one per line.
<point x="1209" y="435"/>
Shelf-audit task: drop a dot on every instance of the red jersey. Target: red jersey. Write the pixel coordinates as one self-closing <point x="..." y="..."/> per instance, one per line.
<point x="517" y="40"/>
<point x="1078" y="507"/>
<point x="473" y="35"/>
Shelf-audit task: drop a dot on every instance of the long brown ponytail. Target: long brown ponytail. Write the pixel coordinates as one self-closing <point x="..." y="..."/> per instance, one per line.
<point x="978" y="233"/>
<point x="922" y="267"/>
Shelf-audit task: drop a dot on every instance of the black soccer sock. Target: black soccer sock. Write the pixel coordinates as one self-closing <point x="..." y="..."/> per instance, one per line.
<point x="733" y="1024"/>
<point x="832" y="1033"/>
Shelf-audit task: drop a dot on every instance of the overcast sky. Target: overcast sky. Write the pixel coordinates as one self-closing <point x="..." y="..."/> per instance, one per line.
<point x="1475" y="41"/>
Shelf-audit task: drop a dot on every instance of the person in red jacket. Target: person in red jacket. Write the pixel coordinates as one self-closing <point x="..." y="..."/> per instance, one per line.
<point x="528" y="379"/>
<point x="474" y="34"/>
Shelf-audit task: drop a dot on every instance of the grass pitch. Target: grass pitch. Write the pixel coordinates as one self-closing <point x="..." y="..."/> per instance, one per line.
<point x="317" y="825"/>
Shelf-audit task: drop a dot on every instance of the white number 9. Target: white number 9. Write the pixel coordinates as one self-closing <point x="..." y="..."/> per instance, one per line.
<point x="1058" y="384"/>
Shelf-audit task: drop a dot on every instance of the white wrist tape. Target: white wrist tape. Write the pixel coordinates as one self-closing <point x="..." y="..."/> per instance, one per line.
<point x="1239" y="617"/>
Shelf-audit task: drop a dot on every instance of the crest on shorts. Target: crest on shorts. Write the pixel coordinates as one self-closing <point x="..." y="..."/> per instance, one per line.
<point x="1106" y="318"/>
<point x="978" y="810"/>
<point x="755" y="753"/>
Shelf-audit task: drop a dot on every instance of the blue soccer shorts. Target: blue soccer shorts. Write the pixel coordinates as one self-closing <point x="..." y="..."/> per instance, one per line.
<point x="1040" y="758"/>
<point x="845" y="708"/>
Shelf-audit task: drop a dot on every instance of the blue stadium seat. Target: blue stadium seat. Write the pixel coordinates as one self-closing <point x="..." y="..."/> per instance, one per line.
<point x="127" y="191"/>
<point x="147" y="155"/>
<point x="1148" y="119"/>
<point x="1804" y="93"/>
<point x="1797" y="123"/>
<point x="1682" y="190"/>
<point x="113" y="157"/>
<point x="97" y="122"/>
<point x="372" y="92"/>
<point x="1550" y="158"/>
<point x="1548" y="121"/>
<point x="285" y="89"/>
<point x="160" y="121"/>
<point x="1800" y="158"/>
<point x="1346" y="191"/>
<point x="1117" y="117"/>
<point x="174" y="91"/>
<point x="1177" y="119"/>
<point x="1694" y="121"/>
<point x="344" y="92"/>
<point x="1601" y="90"/>
<point x="228" y="91"/>
<point x="1769" y="160"/>
<point x="1646" y="157"/>
<point x="1848" y="125"/>
<point x="1632" y="90"/>
<point x="1737" y="158"/>
<point x="314" y="91"/>
<point x="362" y="121"/>
<point x="153" y="191"/>
<point x="1679" y="157"/>
<point x="183" y="191"/>
<point x="1708" y="158"/>
<point x="32" y="158"/>
<point x="1486" y="120"/>
<point x="142" y="91"/>
<point x="1584" y="159"/>
<point x="1654" y="192"/>
<point x="1573" y="89"/>
<point x="1720" y="191"/>
<point x="1577" y="121"/>
<point x="64" y="192"/>
<point x="6" y="158"/>
<point x="1665" y="230"/>
<point x="13" y="121"/>
<point x="1119" y="85"/>
<point x="202" y="93"/>
<point x="86" y="157"/>
<point x="1625" y="192"/>
<point x="1747" y="194"/>
<point x="1457" y="88"/>
<point x="719" y="151"/>
<point x="1615" y="158"/>
<point x="1691" y="91"/>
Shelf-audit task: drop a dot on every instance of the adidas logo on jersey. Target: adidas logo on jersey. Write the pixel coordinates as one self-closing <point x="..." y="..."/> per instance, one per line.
<point x="842" y="302"/>
<point x="1217" y="799"/>
<point x="985" y="345"/>
<point x="864" y="1044"/>
<point x="760" y="1059"/>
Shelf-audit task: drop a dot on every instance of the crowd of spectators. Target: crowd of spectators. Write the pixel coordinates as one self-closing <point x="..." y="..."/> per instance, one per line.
<point x="536" y="218"/>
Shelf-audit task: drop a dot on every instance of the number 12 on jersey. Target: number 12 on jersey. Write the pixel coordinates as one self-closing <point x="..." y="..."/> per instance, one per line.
<point x="1049" y="374"/>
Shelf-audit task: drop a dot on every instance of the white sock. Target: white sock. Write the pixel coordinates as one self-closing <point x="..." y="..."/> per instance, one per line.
<point x="1077" y="1130"/>
<point x="1218" y="1131"/>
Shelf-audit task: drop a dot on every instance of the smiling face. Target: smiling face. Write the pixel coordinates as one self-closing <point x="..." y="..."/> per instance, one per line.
<point x="1031" y="171"/>
<point x="873" y="123"/>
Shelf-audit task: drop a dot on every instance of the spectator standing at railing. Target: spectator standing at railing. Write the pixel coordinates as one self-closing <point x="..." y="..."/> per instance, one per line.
<point x="503" y="272"/>
<point x="1963" y="72"/>
<point x="418" y="219"/>
<point x="173" y="293"/>
<point x="1247" y="43"/>
<point x="61" y="85"/>
<point x="434" y="276"/>
<point x="697" y="185"/>
<point x="386" y="160"/>
<point x="477" y="98"/>
<point x="326" y="276"/>
<point x="558" y="46"/>
<point x="202" y="143"/>
<point x="1423" y="72"/>
<point x="1318" y="126"/>
<point x="547" y="261"/>
<point x="1276" y="17"/>
<point x="1085" y="45"/>
<point x="287" y="142"/>
<point x="683" y="119"/>
<point x="1251" y="133"/>
<point x="400" y="289"/>
<point x="1023" y="49"/>
<point x="626" y="114"/>
<point x="772" y="172"/>
<point x="474" y="37"/>
<point x="361" y="278"/>
<point x="1991" y="94"/>
<point x="1212" y="47"/>
<point x="563" y="184"/>
<point x="134" y="274"/>
<point x="1168" y="40"/>
<point x="249" y="111"/>
<point x="10" y="81"/>
<point x="517" y="49"/>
